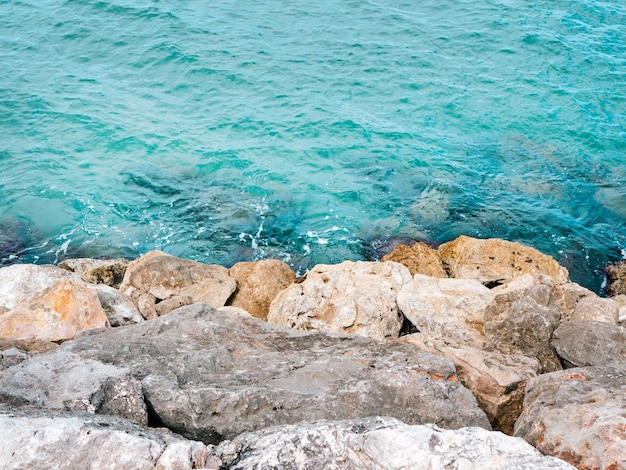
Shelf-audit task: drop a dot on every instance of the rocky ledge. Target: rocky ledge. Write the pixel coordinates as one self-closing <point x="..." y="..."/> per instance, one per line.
<point x="481" y="354"/>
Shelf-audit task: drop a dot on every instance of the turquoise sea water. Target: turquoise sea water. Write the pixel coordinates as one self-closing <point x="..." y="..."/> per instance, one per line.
<point x="238" y="130"/>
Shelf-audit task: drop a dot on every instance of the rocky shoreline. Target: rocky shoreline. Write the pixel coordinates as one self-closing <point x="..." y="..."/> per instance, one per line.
<point x="479" y="354"/>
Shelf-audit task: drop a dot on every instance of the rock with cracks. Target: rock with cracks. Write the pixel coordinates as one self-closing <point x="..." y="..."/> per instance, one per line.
<point x="211" y="375"/>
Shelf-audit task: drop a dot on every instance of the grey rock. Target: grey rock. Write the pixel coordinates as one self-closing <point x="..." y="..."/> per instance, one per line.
<point x="119" y="308"/>
<point x="11" y="357"/>
<point x="37" y="440"/>
<point x="522" y="322"/>
<point x="211" y="375"/>
<point x="591" y="343"/>
<point x="377" y="443"/>
<point x="578" y="415"/>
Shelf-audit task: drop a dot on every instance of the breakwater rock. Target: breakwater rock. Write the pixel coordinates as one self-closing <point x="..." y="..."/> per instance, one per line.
<point x="360" y="364"/>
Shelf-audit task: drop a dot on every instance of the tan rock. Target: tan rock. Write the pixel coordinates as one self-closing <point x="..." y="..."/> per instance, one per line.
<point x="494" y="259"/>
<point x="616" y="276"/>
<point x="97" y="271"/>
<point x="158" y="277"/>
<point x="419" y="258"/>
<point x="452" y="308"/>
<point x="351" y="297"/>
<point x="54" y="314"/>
<point x="497" y="380"/>
<point x="258" y="283"/>
<point x="579" y="304"/>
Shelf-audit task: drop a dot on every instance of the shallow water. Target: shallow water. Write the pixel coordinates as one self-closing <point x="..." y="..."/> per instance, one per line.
<point x="303" y="130"/>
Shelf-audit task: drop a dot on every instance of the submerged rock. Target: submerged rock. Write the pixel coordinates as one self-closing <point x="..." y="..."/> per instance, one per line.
<point x="258" y="283"/>
<point x="160" y="283"/>
<point x="211" y="375"/>
<point x="578" y="415"/>
<point x="351" y="297"/>
<point x="377" y="443"/>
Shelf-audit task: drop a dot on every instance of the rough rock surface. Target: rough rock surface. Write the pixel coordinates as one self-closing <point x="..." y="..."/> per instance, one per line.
<point x="351" y="297"/>
<point x="591" y="343"/>
<point x="453" y="308"/>
<point x="258" y="282"/>
<point x="616" y="277"/>
<point x="419" y="258"/>
<point x="211" y="375"/>
<point x="37" y="439"/>
<point x="119" y="308"/>
<point x="577" y="304"/>
<point x="160" y="283"/>
<point x="493" y="260"/>
<point x="97" y="271"/>
<point x="522" y="322"/>
<point x="497" y="380"/>
<point x="377" y="443"/>
<point x="578" y="415"/>
<point x="46" y="303"/>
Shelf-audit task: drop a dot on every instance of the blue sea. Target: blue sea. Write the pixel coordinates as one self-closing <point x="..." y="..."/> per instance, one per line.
<point x="306" y="131"/>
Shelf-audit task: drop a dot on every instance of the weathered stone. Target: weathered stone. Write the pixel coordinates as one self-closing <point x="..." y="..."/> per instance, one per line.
<point x="11" y="357"/>
<point x="377" y="443"/>
<point x="591" y="343"/>
<point x="32" y="346"/>
<point x="577" y="304"/>
<point x="419" y="258"/>
<point x="620" y="300"/>
<point x="119" y="308"/>
<point x="211" y="375"/>
<point x="46" y="303"/>
<point x="616" y="277"/>
<point x="258" y="283"/>
<point x="351" y="297"/>
<point x="497" y="380"/>
<point x="578" y="415"/>
<point x="452" y="308"/>
<point x="38" y="439"/>
<point x="157" y="277"/>
<point x="97" y="271"/>
<point x="495" y="260"/>
<point x="522" y="322"/>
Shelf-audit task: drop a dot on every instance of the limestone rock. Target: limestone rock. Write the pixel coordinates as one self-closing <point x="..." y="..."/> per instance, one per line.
<point x="620" y="300"/>
<point x="37" y="439"/>
<point x="258" y="283"/>
<point x="522" y="322"/>
<point x="157" y="277"/>
<point x="453" y="308"/>
<point x="210" y="375"/>
<point x="419" y="258"/>
<point x="577" y="304"/>
<point x="120" y="309"/>
<point x="46" y="303"/>
<point x="377" y="443"/>
<point x="578" y="415"/>
<point x="351" y="297"/>
<point x="591" y="343"/>
<point x="97" y="271"/>
<point x="494" y="260"/>
<point x="616" y="277"/>
<point x="497" y="380"/>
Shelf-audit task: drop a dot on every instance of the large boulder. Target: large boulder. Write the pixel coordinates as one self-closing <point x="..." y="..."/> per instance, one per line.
<point x="522" y="321"/>
<point x="497" y="380"/>
<point x="97" y="271"/>
<point x="46" y="303"/>
<point x="616" y="278"/>
<point x="453" y="308"/>
<point x="590" y="343"/>
<point x="494" y="260"/>
<point x="351" y="297"/>
<point x="578" y="415"/>
<point x="38" y="439"/>
<point x="210" y="375"/>
<point x="258" y="283"/>
<point x="377" y="443"/>
<point x="579" y="304"/>
<point x="160" y="283"/>
<point x="419" y="258"/>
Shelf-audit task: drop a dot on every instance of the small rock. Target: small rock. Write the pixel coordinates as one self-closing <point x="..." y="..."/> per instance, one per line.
<point x="97" y="271"/>
<point x="258" y="283"/>
<point x="419" y="258"/>
<point x="120" y="309"/>
<point x="351" y="297"/>
<point x="591" y="343"/>
<point x="496" y="260"/>
<point x="578" y="415"/>
<point x="616" y="277"/>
